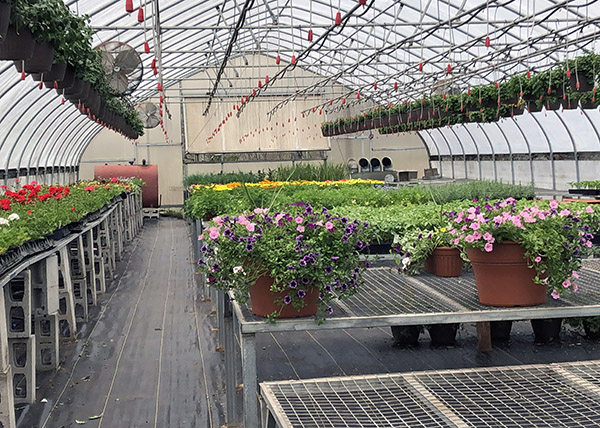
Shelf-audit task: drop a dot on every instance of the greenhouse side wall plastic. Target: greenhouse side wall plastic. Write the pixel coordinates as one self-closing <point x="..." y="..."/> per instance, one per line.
<point x="550" y="149"/>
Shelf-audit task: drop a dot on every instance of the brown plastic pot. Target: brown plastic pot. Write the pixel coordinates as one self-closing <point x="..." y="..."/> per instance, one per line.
<point x="17" y="46"/>
<point x="40" y="62"/>
<point x="4" y="18"/>
<point x="503" y="277"/>
<point x="263" y="304"/>
<point x="447" y="262"/>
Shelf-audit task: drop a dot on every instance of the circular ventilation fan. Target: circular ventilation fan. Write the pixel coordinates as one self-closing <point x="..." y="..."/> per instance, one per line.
<point x="148" y="113"/>
<point x="122" y="65"/>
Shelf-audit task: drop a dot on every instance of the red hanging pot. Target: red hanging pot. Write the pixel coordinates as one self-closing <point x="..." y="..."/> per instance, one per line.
<point x="146" y="47"/>
<point x="293" y="61"/>
<point x="277" y="60"/>
<point x="140" y="16"/>
<point x="267" y="79"/>
<point x="310" y="35"/>
<point x="129" y="6"/>
<point x="488" y="42"/>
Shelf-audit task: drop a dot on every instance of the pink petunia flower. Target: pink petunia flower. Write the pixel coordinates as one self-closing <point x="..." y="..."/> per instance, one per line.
<point x="329" y="225"/>
<point x="575" y="274"/>
<point x="555" y="294"/>
<point x="300" y="228"/>
<point x="488" y="247"/>
<point x="469" y="238"/>
<point x="589" y="209"/>
<point x="537" y="259"/>
<point x="553" y="205"/>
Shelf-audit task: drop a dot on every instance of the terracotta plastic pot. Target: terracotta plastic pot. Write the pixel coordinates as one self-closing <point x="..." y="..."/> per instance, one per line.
<point x="446" y="262"/>
<point x="262" y="300"/>
<point x="40" y="62"/>
<point x="17" y="46"/>
<point x="4" y="18"/>
<point x="503" y="277"/>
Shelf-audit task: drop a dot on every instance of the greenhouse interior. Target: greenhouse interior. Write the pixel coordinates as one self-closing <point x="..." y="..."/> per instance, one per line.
<point x="299" y="213"/>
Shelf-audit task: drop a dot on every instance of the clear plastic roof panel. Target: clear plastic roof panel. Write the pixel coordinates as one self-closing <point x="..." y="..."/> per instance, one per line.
<point x="381" y="42"/>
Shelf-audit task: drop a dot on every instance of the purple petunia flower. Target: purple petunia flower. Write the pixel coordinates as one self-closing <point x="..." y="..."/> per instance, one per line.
<point x="329" y="310"/>
<point x="293" y="283"/>
<point x="328" y="270"/>
<point x="302" y="262"/>
<point x="328" y="288"/>
<point x="334" y="258"/>
<point x="287" y="300"/>
<point x="305" y="280"/>
<point x="301" y="293"/>
<point x="249" y="247"/>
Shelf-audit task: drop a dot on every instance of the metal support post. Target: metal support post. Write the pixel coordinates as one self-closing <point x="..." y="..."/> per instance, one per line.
<point x="230" y="372"/>
<point x="251" y="418"/>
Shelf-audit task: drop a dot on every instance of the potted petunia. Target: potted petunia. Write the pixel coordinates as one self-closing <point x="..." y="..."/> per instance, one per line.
<point x="289" y="263"/>
<point x="432" y="250"/>
<point x="521" y="251"/>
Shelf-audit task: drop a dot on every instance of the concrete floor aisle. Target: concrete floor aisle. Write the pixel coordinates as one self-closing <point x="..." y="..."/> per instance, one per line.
<point x="147" y="357"/>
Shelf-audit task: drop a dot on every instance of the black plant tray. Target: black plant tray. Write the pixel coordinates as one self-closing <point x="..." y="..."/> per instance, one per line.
<point x="586" y="192"/>
<point x="60" y="233"/>
<point x="14" y="256"/>
<point x="9" y="259"/>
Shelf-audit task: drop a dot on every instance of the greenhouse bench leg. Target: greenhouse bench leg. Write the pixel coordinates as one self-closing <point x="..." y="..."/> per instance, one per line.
<point x="484" y="338"/>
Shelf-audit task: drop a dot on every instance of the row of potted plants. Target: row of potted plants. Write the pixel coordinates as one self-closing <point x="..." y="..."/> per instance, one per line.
<point x="304" y="257"/>
<point x="34" y="211"/>
<point x="207" y="201"/>
<point x="49" y="42"/>
<point x="567" y="85"/>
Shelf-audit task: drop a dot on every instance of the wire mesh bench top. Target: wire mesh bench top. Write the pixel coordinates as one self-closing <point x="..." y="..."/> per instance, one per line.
<point x="555" y="395"/>
<point x="388" y="298"/>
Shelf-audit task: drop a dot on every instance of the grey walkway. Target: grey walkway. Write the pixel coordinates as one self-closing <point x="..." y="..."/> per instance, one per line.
<point x="147" y="358"/>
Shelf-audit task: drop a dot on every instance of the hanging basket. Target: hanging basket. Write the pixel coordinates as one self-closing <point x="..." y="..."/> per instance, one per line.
<point x="503" y="277"/>
<point x="584" y="84"/>
<point x="262" y="300"/>
<point x="66" y="82"/>
<point x="80" y="94"/>
<point x="57" y="72"/>
<point x="40" y="62"/>
<point x="4" y="18"/>
<point x="17" y="46"/>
